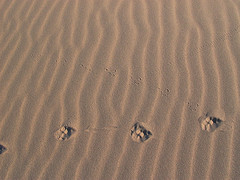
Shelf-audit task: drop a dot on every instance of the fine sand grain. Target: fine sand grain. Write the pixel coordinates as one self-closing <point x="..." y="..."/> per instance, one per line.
<point x="119" y="89"/>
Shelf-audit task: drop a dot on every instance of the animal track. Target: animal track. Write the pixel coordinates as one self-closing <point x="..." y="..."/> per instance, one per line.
<point x="165" y="92"/>
<point x="139" y="133"/>
<point x="86" y="68"/>
<point x="64" y="133"/>
<point x="136" y="81"/>
<point x="107" y="128"/>
<point x="111" y="73"/>
<point x="209" y="123"/>
<point x="2" y="149"/>
<point x="192" y="106"/>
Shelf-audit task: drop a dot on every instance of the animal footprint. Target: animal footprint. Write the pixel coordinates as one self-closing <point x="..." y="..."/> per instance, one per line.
<point x="192" y="106"/>
<point x="111" y="73"/>
<point x="86" y="68"/>
<point x="165" y="92"/>
<point x="64" y="133"/>
<point x="139" y="133"/>
<point x="136" y="81"/>
<point x="2" y="149"/>
<point x="209" y="123"/>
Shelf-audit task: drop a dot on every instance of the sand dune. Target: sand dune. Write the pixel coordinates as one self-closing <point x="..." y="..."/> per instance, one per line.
<point x="119" y="89"/>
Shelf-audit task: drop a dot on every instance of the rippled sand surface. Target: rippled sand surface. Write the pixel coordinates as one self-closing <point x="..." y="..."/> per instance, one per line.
<point x="119" y="89"/>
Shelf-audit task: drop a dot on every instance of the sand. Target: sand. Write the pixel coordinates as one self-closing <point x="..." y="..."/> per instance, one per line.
<point x="119" y="89"/>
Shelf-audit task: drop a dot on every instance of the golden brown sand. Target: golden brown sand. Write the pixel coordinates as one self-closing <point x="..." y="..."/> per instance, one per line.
<point x="119" y="89"/>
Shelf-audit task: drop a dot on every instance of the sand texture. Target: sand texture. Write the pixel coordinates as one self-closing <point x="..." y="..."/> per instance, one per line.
<point x="119" y="89"/>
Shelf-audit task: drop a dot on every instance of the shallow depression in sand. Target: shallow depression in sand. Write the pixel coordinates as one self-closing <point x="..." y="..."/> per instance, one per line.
<point x="209" y="123"/>
<point x="139" y="133"/>
<point x="64" y="133"/>
<point x="2" y="149"/>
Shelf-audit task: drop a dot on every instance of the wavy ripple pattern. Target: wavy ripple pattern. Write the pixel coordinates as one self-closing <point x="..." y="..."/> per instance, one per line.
<point x="100" y="67"/>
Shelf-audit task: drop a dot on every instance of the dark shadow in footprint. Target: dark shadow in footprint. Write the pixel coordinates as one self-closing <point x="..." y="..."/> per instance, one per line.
<point x="209" y="123"/>
<point x="139" y="133"/>
<point x="64" y="133"/>
<point x="2" y="149"/>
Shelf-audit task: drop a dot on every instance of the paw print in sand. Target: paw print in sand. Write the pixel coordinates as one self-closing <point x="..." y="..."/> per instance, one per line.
<point x="139" y="133"/>
<point x="2" y="149"/>
<point x="64" y="133"/>
<point x="209" y="123"/>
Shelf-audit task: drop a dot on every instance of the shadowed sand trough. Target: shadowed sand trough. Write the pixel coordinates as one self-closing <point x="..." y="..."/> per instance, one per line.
<point x="119" y="89"/>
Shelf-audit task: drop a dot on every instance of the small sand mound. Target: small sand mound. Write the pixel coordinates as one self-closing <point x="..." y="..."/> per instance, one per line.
<point x="64" y="133"/>
<point x="139" y="133"/>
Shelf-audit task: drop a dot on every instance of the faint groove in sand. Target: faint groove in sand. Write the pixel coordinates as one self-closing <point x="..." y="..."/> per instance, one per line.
<point x="17" y="129"/>
<point x="3" y="3"/>
<point x="35" y="20"/>
<point x="214" y="63"/>
<point x="7" y="25"/>
<point x="183" y="80"/>
<point x="76" y="21"/>
<point x="91" y="21"/>
<point x="203" y="98"/>
<point x="174" y="83"/>
<point x="234" y="71"/>
<point x="106" y="33"/>
<point x="136" y="63"/>
<point x="118" y="56"/>
<point x="85" y="44"/>
<point x="43" y="74"/>
<point x="182" y="128"/>
<point x="14" y="16"/>
<point x="38" y="156"/>
<point x="57" y="72"/>
<point x="236" y="84"/>
<point x="3" y="126"/>
<point x="136" y="68"/>
<point x="29" y="139"/>
<point x="57" y="56"/>
<point x="219" y="99"/>
<point x="149" y="66"/>
<point x="155" y="37"/>
<point x="10" y="40"/>
<point x="69" y="78"/>
<point x="63" y="89"/>
<point x="112" y="49"/>
<point x="20" y="66"/>
<point x="110" y="142"/>
<point x="32" y="126"/>
<point x="97" y="85"/>
<point x="105" y="158"/>
<point x="71" y="23"/>
<point x="8" y="53"/>
<point x="6" y="115"/>
<point x="5" y="10"/>
<point x="44" y="15"/>
<point x="27" y="9"/>
<point x="43" y="169"/>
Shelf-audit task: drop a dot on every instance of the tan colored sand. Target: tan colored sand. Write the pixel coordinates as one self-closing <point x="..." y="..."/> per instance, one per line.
<point x="99" y="67"/>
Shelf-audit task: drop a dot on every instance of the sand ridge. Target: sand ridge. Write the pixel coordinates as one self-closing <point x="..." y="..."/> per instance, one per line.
<point x="119" y="89"/>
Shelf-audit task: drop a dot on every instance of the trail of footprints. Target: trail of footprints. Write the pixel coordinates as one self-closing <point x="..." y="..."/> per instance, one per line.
<point x="139" y="133"/>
